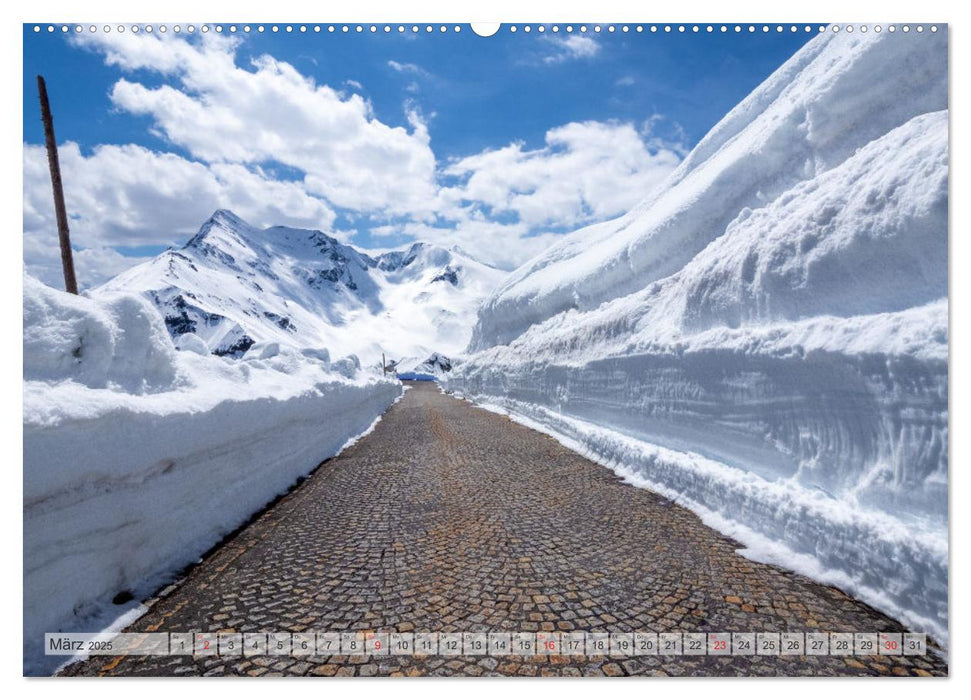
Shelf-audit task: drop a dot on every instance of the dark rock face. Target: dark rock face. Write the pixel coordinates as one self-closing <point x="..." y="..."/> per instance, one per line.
<point x="449" y="274"/>
<point x="179" y="324"/>
<point x="399" y="259"/>
<point x="438" y="362"/>
<point x="182" y="317"/>
<point x="332" y="275"/>
<point x="338" y="273"/>
<point x="178" y="320"/>
<point x="237" y="349"/>
<point x="282" y="321"/>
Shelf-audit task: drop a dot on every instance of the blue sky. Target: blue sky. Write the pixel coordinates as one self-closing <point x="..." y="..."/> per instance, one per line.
<point x="495" y="144"/>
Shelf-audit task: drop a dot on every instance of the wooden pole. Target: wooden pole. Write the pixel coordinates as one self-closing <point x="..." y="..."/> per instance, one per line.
<point x="384" y="365"/>
<point x="63" y="233"/>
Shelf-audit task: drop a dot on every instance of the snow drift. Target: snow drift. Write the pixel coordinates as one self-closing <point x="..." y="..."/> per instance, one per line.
<point x="139" y="457"/>
<point x="764" y="337"/>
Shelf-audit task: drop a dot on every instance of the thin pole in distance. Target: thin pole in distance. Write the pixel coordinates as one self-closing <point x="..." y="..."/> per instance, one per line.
<point x="63" y="233"/>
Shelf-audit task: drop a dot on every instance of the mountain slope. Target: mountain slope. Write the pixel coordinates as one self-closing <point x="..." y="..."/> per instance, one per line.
<point x="765" y="336"/>
<point x="233" y="284"/>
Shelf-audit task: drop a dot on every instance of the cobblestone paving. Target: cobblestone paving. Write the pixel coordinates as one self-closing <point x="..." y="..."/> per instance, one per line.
<point x="451" y="518"/>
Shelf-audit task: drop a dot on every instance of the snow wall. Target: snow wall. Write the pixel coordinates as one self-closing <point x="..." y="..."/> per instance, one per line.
<point x="138" y="458"/>
<point x="765" y="337"/>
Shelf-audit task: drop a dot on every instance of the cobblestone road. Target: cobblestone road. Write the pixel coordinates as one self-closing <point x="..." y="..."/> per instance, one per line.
<point x="451" y="518"/>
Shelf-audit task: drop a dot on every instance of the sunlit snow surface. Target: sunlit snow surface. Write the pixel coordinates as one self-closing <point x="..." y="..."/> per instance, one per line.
<point x="765" y="336"/>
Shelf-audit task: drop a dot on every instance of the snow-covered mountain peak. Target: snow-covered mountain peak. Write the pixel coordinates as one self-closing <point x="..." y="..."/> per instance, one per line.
<point x="396" y="260"/>
<point x="223" y="226"/>
<point x="226" y="232"/>
<point x="234" y="284"/>
<point x="428" y="255"/>
<point x="227" y="219"/>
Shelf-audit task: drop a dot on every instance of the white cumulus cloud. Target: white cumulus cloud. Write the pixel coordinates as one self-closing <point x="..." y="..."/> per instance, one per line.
<point x="570" y="46"/>
<point x="131" y="196"/>
<point x="586" y="171"/>
<point x="269" y="111"/>
<point x="235" y="127"/>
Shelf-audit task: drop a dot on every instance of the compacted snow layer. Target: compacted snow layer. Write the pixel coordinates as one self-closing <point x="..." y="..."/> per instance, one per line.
<point x="883" y="561"/>
<point x="138" y="457"/>
<point x="837" y="459"/>
<point x="765" y="336"/>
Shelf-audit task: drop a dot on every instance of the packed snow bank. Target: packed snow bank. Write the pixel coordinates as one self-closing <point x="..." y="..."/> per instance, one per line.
<point x="766" y="335"/>
<point x="866" y="550"/>
<point x="138" y="457"/>
<point x="119" y="343"/>
<point x="839" y="93"/>
<point x="837" y="458"/>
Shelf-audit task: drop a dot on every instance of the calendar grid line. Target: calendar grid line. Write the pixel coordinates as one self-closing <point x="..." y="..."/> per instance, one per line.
<point x="578" y="643"/>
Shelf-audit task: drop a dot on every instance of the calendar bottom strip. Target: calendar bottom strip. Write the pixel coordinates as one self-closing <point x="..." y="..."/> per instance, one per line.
<point x="625" y="644"/>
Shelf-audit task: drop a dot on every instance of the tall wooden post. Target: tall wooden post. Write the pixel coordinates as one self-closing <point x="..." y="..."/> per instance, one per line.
<point x="384" y="365"/>
<point x="67" y="259"/>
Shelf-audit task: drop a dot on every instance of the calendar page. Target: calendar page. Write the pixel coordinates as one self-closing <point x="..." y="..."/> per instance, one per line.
<point x="558" y="349"/>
